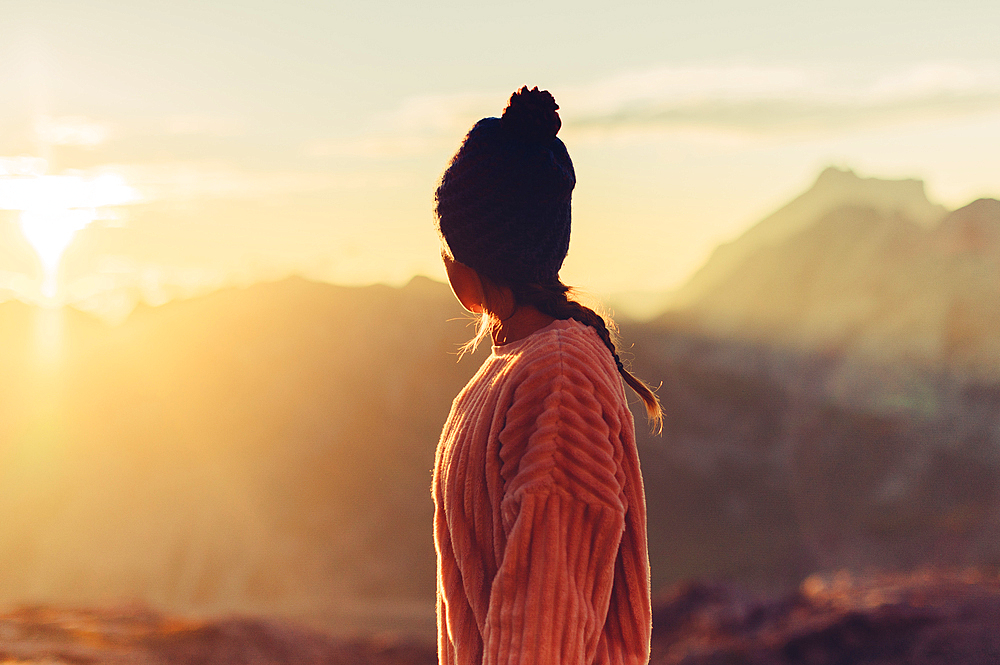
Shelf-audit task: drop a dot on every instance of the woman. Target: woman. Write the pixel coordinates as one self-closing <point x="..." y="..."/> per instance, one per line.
<point x="540" y="520"/>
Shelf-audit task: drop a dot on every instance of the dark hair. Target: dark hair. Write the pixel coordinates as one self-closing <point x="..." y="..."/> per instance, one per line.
<point x="503" y="203"/>
<point x="503" y="209"/>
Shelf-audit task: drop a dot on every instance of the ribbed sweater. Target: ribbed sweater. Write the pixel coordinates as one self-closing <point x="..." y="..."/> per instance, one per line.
<point x="540" y="516"/>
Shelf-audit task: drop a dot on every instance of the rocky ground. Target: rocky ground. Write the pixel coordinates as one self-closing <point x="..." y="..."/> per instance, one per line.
<point x="927" y="617"/>
<point x="50" y="636"/>
<point x="923" y="618"/>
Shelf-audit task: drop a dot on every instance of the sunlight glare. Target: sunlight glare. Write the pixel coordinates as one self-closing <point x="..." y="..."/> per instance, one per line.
<point x="54" y="208"/>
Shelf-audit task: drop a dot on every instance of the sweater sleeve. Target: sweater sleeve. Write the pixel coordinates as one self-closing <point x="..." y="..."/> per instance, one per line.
<point x="563" y="516"/>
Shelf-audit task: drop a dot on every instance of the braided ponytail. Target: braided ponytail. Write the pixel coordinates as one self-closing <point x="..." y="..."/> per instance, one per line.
<point x="552" y="298"/>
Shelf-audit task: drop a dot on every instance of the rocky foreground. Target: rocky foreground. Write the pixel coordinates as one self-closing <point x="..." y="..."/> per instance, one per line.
<point x="918" y="619"/>
<point x="922" y="618"/>
<point x="50" y="636"/>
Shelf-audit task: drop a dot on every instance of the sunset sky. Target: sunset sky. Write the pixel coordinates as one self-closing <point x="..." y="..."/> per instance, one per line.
<point x="172" y="147"/>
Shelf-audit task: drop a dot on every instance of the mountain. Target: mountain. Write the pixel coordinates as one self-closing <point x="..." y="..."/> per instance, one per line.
<point x="831" y="387"/>
<point x="878" y="272"/>
<point x="834" y="188"/>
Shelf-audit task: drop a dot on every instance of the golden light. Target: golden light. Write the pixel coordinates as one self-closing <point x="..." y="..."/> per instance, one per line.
<point x="54" y="208"/>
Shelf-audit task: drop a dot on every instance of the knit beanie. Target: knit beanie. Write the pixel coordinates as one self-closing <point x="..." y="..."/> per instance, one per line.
<point x="503" y="205"/>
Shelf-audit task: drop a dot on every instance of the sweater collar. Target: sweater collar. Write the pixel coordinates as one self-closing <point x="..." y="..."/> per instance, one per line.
<point x="513" y="347"/>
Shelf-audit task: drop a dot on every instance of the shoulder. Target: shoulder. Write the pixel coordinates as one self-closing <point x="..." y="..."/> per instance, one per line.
<point x="565" y="424"/>
<point x="568" y="352"/>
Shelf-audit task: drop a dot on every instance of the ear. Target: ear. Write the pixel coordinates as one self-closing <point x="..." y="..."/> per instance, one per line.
<point x="466" y="284"/>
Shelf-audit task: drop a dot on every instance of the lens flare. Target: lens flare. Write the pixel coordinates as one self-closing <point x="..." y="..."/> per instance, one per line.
<point x="54" y="208"/>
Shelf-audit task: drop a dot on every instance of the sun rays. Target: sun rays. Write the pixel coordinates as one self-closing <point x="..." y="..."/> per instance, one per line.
<point x="53" y="208"/>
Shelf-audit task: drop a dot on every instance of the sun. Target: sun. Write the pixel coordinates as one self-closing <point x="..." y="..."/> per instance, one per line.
<point x="53" y="208"/>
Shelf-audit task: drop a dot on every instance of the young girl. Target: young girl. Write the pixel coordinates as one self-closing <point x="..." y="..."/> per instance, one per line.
<point x="540" y="518"/>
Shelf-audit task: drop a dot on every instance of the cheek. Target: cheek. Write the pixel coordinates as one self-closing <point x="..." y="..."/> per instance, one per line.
<point x="464" y="285"/>
<point x="470" y="296"/>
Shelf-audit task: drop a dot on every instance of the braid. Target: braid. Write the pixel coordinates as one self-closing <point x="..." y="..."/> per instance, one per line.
<point x="551" y="298"/>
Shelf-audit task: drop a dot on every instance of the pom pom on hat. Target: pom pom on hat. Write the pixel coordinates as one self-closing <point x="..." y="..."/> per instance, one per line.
<point x="531" y="116"/>
<point x="503" y="204"/>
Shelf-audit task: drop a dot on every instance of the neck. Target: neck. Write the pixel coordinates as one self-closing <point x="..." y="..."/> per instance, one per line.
<point x="525" y="320"/>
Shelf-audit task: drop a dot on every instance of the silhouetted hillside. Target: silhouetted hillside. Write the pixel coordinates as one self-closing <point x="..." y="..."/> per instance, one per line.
<point x="776" y="463"/>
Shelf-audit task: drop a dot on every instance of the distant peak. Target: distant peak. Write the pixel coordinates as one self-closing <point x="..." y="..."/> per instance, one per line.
<point x="835" y="173"/>
<point x="420" y="281"/>
<point x="980" y="216"/>
<point x="841" y="176"/>
<point x="982" y="206"/>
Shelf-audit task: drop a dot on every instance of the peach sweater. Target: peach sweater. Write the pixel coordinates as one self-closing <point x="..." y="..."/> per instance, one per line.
<point x="540" y="517"/>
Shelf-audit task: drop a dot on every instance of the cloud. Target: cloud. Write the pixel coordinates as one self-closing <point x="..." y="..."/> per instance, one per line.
<point x="185" y="180"/>
<point x="71" y="130"/>
<point x="934" y="79"/>
<point x="375" y="145"/>
<point x="418" y="126"/>
<point x="776" y="101"/>
<point x="721" y="100"/>
<point x="684" y="85"/>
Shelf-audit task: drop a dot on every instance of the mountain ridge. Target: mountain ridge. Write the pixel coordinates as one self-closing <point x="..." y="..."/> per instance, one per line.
<point x="832" y="188"/>
<point x="879" y="281"/>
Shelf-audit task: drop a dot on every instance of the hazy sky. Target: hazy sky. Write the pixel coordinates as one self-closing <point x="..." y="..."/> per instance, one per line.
<point x="202" y="143"/>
